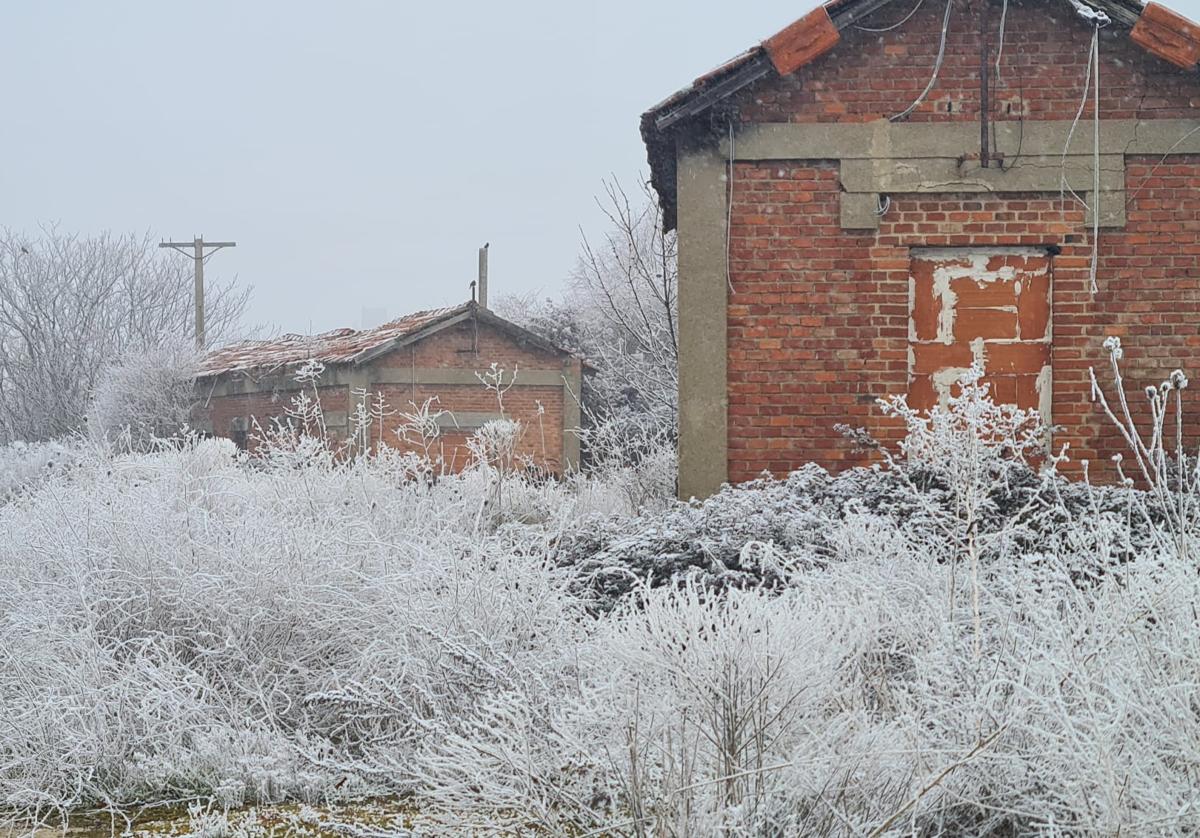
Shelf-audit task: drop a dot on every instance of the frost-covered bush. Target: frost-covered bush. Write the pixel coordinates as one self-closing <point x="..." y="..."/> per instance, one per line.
<point x="143" y="397"/>
<point x="24" y="465"/>
<point x="1160" y="457"/>
<point x="962" y="483"/>
<point x="235" y="626"/>
<point x="980" y="649"/>
<point x="632" y="452"/>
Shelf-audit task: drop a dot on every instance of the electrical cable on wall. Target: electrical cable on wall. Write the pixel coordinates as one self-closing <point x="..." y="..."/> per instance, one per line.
<point x="937" y="67"/>
<point x="1000" y="45"/>
<point x="1158" y="165"/>
<point x="1091" y="85"/>
<point x="895" y="25"/>
<point x="1095" y="159"/>
<point x="1063" y="186"/>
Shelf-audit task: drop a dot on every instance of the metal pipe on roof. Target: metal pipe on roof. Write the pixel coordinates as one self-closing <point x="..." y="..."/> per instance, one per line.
<point x="483" y="271"/>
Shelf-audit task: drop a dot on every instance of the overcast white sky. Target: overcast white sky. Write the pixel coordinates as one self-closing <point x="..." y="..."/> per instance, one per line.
<point x="358" y="152"/>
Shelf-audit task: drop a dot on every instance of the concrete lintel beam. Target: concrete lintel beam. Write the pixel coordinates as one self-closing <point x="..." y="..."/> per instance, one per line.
<point x="1030" y="174"/>
<point x="1112" y="207"/>
<point x="860" y="210"/>
<point x="233" y="385"/>
<point x="367" y="378"/>
<point x="436" y="376"/>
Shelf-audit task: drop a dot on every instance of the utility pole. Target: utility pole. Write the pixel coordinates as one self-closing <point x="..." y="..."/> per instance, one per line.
<point x="198" y="246"/>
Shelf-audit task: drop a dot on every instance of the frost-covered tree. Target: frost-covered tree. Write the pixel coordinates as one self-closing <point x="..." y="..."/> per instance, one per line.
<point x="629" y="282"/>
<point x="71" y="305"/>
<point x="620" y="312"/>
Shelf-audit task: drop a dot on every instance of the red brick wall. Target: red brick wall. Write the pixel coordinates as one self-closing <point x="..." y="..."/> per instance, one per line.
<point x="462" y="347"/>
<point x="465" y="347"/>
<point x="541" y="440"/>
<point x="258" y="412"/>
<point x="818" y="316"/>
<point x="871" y="76"/>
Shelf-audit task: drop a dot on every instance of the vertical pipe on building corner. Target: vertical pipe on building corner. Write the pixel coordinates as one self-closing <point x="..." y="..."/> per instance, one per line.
<point x="984" y="105"/>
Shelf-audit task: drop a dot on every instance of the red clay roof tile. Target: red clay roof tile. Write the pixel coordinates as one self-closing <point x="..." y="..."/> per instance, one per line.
<point x="334" y="347"/>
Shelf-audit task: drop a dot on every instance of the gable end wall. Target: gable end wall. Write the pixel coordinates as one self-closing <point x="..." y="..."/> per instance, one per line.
<point x="815" y="309"/>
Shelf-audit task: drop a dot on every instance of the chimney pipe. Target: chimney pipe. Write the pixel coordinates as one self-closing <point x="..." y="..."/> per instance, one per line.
<point x="482" y="287"/>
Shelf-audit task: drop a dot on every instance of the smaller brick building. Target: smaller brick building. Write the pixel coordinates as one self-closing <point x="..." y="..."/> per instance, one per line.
<point x="430" y="354"/>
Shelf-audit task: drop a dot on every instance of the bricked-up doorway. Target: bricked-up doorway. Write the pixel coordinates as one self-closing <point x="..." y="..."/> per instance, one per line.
<point x="990" y="305"/>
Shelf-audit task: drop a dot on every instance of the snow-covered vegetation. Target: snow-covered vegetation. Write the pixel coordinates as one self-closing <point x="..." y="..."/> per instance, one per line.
<point x="143" y="396"/>
<point x="620" y="312"/>
<point x="951" y="643"/>
<point x="72" y="306"/>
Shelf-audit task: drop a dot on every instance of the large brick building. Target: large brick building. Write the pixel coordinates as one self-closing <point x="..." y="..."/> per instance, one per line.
<point x="242" y="389"/>
<point x="879" y="195"/>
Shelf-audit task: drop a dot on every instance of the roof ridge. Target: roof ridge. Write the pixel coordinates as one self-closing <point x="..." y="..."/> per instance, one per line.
<point x="339" y="345"/>
<point x="353" y="346"/>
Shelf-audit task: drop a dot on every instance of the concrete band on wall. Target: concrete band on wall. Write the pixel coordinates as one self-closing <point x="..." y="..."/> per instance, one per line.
<point x="351" y="376"/>
<point x="875" y="159"/>
<point x="883" y="157"/>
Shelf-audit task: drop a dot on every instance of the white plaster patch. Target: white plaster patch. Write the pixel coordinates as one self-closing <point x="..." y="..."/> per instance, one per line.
<point x="952" y="265"/>
<point x="1045" y="391"/>
<point x="949" y="300"/>
<point x="979" y="352"/>
<point x="972" y="266"/>
<point x="944" y="381"/>
<point x="975" y="266"/>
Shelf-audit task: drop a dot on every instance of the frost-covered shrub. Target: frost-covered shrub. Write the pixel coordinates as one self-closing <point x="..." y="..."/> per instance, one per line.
<point x="206" y="822"/>
<point x="1160" y="458"/>
<point x="864" y="708"/>
<point x="143" y="397"/>
<point x="24" y="465"/>
<point x="816" y="655"/>
<point x="632" y="453"/>
<point x="279" y="624"/>
<point x="962" y="483"/>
